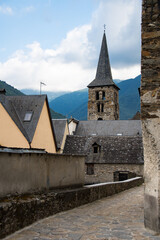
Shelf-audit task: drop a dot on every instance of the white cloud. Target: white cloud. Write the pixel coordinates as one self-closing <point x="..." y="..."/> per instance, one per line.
<point x="126" y="72"/>
<point x="72" y="65"/>
<point x="25" y="69"/>
<point x="123" y="30"/>
<point x="6" y="10"/>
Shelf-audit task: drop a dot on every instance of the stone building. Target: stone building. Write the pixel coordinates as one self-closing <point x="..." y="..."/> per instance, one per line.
<point x="113" y="149"/>
<point x="150" y="110"/>
<point x="103" y="103"/>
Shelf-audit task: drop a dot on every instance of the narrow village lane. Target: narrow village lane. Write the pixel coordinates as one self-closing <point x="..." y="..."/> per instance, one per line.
<point x="112" y="218"/>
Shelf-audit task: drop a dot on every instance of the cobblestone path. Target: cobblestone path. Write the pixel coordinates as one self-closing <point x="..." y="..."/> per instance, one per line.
<point x="112" y="218"/>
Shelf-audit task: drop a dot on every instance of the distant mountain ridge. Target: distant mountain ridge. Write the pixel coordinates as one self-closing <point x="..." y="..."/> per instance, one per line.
<point x="51" y="95"/>
<point x="75" y="104"/>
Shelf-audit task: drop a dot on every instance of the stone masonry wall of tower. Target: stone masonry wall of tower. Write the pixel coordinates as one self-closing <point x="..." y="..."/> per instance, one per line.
<point x="103" y="103"/>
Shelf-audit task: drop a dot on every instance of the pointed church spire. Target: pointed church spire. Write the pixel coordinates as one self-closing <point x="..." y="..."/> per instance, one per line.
<point x="103" y="75"/>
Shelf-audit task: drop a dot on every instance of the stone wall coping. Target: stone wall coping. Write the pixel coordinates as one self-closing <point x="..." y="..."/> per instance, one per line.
<point x="108" y="183"/>
<point x="39" y="152"/>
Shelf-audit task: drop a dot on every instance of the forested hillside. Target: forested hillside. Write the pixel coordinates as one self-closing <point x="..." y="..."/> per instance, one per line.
<point x="75" y="104"/>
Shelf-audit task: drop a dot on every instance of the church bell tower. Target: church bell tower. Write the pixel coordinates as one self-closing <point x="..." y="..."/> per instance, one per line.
<point x="103" y="99"/>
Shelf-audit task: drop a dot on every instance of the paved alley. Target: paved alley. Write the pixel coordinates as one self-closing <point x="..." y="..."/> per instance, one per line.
<point x="116" y="217"/>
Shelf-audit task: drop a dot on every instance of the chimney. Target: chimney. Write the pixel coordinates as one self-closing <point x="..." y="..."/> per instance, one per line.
<point x="2" y="91"/>
<point x="2" y="95"/>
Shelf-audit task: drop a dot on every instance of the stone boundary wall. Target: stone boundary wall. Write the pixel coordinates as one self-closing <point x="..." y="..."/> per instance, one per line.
<point x="17" y="213"/>
<point x="39" y="172"/>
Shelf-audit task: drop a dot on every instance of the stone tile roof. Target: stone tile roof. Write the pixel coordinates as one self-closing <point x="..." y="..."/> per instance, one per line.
<point x="114" y="149"/>
<point x="103" y="75"/>
<point x="109" y="128"/>
<point x="59" y="126"/>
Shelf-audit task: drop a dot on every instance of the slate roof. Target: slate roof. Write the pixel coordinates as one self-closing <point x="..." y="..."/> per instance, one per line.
<point x="109" y="128"/>
<point x="17" y="106"/>
<point x="59" y="129"/>
<point x="114" y="149"/>
<point x="103" y="75"/>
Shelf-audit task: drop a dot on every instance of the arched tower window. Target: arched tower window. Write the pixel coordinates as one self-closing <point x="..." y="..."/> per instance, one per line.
<point x="100" y="119"/>
<point x="97" y="95"/>
<point x="102" y="107"/>
<point x="98" y="107"/>
<point x="103" y="95"/>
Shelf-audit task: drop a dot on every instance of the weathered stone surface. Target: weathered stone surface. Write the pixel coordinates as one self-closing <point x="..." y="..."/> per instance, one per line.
<point x="150" y="110"/>
<point x="18" y="212"/>
<point x="119" y="217"/>
<point x="110" y="103"/>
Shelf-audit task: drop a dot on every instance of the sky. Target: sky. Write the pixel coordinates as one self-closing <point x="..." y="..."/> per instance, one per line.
<point x="58" y="42"/>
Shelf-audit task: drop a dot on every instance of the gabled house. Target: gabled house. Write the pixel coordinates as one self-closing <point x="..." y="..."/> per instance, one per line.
<point x="25" y="122"/>
<point x="72" y="124"/>
<point x="61" y="131"/>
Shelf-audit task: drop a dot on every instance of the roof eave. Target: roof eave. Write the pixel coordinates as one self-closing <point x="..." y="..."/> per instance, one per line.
<point x="106" y="85"/>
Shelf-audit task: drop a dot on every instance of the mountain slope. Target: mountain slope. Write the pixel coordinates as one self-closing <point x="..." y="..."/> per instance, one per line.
<point x="129" y="100"/>
<point x="68" y="103"/>
<point x="10" y="91"/>
<point x="75" y="104"/>
<point x="55" y="115"/>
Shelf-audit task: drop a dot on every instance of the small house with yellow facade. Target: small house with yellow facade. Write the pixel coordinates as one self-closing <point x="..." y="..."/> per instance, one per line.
<point x="25" y="122"/>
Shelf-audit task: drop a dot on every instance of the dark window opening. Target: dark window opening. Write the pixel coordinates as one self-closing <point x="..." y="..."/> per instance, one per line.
<point x="103" y="95"/>
<point x="96" y="148"/>
<point x="97" y="95"/>
<point x="123" y="176"/>
<point x="100" y="118"/>
<point x="98" y="107"/>
<point x="90" y="169"/>
<point x="102" y="107"/>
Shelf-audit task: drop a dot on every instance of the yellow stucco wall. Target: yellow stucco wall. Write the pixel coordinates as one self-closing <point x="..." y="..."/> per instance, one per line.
<point x="10" y="135"/>
<point x="43" y="137"/>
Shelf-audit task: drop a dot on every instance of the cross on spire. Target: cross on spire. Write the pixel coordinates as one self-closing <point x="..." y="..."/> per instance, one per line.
<point x="104" y="27"/>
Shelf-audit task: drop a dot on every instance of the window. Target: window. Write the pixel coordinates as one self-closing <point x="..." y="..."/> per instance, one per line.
<point x="28" y="116"/>
<point x="100" y="118"/>
<point x="96" y="148"/>
<point x="102" y="107"/>
<point x="97" y="95"/>
<point x="121" y="175"/>
<point x="103" y="95"/>
<point x="98" y="107"/>
<point x="90" y="169"/>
